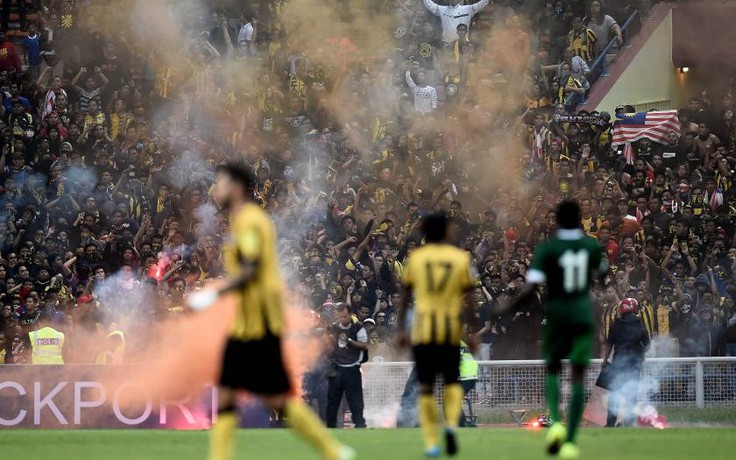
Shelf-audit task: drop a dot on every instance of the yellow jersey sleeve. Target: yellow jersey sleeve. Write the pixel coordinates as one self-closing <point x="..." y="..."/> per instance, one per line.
<point x="250" y="234"/>
<point x="259" y="303"/>
<point x="250" y="244"/>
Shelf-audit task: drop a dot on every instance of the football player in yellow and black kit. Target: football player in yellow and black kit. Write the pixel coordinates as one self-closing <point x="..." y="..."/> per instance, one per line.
<point x="252" y="359"/>
<point x="439" y="276"/>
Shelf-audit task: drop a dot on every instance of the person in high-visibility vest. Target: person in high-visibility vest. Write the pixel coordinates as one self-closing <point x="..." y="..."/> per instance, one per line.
<point x="3" y="348"/>
<point x="468" y="378"/>
<point x="47" y="343"/>
<point x="114" y="352"/>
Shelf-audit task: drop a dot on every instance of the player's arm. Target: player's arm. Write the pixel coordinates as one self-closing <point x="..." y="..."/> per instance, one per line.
<point x="204" y="299"/>
<point x="248" y="271"/>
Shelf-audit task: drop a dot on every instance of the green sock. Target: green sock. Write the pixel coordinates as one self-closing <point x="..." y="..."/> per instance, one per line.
<point x="577" y="404"/>
<point x="553" y="396"/>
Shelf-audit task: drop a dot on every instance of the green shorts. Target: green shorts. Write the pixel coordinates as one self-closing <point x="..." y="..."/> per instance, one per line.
<point x="565" y="340"/>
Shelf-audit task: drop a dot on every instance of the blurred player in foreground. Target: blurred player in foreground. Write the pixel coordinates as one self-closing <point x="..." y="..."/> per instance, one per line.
<point x="252" y="360"/>
<point x="566" y="262"/>
<point x="439" y="276"/>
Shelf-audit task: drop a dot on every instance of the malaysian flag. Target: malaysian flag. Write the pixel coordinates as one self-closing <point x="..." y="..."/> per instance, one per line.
<point x="655" y="126"/>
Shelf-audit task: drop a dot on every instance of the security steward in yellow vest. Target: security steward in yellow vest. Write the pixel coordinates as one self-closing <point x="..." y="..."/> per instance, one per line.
<point x="468" y="379"/>
<point x="47" y="343"/>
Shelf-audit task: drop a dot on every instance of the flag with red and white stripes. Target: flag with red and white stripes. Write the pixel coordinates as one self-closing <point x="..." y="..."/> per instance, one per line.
<point x="655" y="126"/>
<point x="716" y="199"/>
<point x="629" y="153"/>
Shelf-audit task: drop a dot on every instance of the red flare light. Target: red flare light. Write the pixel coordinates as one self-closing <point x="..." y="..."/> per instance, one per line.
<point x="156" y="272"/>
<point x="653" y="420"/>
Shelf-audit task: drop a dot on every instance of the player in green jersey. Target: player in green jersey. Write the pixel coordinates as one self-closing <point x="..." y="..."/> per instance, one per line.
<point x="566" y="262"/>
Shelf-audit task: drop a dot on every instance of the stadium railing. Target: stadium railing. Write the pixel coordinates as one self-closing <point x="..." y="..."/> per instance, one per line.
<point x="97" y="396"/>
<point x="508" y="385"/>
<point x="602" y="59"/>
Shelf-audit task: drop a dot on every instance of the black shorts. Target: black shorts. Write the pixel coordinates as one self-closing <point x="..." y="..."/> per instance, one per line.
<point x="433" y="360"/>
<point x="255" y="366"/>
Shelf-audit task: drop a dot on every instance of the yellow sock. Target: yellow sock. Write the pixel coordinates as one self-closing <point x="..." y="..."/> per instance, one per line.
<point x="307" y="425"/>
<point x="221" y="436"/>
<point x="454" y="395"/>
<point x="428" y="418"/>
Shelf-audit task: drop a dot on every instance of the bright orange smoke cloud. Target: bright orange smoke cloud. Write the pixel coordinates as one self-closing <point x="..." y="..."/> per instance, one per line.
<point x="187" y="354"/>
<point x="183" y="358"/>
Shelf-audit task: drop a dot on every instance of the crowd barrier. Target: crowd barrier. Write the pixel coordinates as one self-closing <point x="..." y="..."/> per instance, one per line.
<point x="510" y="385"/>
<point x="74" y="396"/>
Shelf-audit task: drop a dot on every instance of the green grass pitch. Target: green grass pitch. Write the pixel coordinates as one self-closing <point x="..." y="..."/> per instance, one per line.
<point x="475" y="444"/>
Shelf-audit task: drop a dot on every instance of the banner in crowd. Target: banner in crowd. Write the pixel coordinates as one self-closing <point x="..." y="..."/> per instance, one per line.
<point x="73" y="396"/>
<point x="655" y="126"/>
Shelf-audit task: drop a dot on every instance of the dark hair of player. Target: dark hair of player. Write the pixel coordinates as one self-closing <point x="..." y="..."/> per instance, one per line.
<point x="239" y="173"/>
<point x="434" y="227"/>
<point x="568" y="215"/>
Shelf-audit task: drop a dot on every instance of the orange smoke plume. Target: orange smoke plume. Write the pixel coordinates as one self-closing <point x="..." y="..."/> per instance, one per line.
<point x="186" y="354"/>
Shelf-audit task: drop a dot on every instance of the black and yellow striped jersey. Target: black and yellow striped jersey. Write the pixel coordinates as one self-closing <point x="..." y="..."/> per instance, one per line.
<point x="259" y="303"/>
<point x="438" y="275"/>
<point x="582" y="42"/>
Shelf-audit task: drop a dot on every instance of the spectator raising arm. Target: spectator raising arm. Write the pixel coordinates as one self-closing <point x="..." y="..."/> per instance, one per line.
<point x="425" y="97"/>
<point x="453" y="15"/>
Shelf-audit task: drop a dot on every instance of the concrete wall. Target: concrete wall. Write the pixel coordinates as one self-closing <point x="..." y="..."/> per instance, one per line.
<point x="650" y="77"/>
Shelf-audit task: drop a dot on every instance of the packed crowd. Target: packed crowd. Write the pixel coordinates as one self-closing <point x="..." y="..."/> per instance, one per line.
<point x="355" y="129"/>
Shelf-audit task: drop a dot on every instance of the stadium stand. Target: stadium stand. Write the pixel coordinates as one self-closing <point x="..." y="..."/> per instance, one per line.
<point x="115" y="112"/>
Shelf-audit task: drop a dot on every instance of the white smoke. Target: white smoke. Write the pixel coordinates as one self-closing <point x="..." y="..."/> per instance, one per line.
<point x="206" y="215"/>
<point x="383" y="416"/>
<point x="188" y="168"/>
<point x="80" y="180"/>
<point x="641" y="388"/>
<point x="128" y="303"/>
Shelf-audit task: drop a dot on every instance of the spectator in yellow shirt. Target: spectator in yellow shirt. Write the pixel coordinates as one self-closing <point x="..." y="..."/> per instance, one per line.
<point x="94" y="116"/>
<point x="582" y="40"/>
